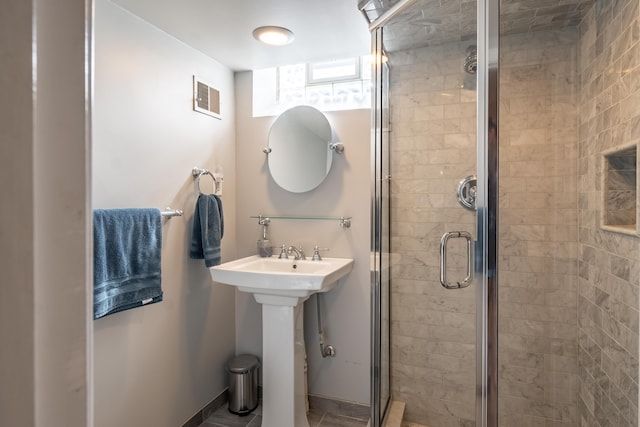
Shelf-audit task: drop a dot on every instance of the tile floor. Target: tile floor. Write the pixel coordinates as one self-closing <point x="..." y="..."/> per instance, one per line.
<point x="223" y="418"/>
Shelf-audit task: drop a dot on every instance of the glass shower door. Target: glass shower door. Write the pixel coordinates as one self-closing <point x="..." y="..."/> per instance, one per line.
<point x="567" y="326"/>
<point x="432" y="149"/>
<point x="542" y="367"/>
<point x="438" y="216"/>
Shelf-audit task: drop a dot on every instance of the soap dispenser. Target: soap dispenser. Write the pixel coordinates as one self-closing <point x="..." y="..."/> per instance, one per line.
<point x="264" y="245"/>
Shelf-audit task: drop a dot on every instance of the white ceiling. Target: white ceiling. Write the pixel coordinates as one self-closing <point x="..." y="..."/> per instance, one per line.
<point x="222" y="29"/>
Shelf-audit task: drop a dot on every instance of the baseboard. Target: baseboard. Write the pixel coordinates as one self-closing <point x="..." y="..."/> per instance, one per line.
<point x="211" y="407"/>
<point x="207" y="410"/>
<point x="339" y="407"/>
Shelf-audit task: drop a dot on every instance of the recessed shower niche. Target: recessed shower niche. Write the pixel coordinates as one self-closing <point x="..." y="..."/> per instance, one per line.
<point x="620" y="201"/>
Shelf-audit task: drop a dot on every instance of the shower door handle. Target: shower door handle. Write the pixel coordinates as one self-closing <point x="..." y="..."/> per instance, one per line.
<point x="443" y="259"/>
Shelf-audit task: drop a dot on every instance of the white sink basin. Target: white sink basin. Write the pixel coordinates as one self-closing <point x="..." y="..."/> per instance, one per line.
<point x="284" y="277"/>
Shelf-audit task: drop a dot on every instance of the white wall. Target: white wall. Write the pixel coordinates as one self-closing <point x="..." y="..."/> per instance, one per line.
<point x="345" y="192"/>
<point x="45" y="372"/>
<point x="158" y="365"/>
<point x="17" y="256"/>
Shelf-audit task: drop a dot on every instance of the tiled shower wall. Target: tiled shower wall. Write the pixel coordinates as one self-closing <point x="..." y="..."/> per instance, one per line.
<point x="609" y="267"/>
<point x="433" y="147"/>
<point x="538" y="230"/>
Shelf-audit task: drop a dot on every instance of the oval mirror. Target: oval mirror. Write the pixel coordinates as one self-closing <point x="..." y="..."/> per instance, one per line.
<point x="300" y="156"/>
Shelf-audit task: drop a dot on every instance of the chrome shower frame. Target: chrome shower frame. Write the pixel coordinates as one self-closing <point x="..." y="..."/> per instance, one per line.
<point x="488" y="22"/>
<point x="380" y="179"/>
<point x="486" y="247"/>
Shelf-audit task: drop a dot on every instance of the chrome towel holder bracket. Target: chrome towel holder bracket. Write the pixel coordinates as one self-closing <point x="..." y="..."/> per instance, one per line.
<point x="168" y="212"/>
<point x="216" y="176"/>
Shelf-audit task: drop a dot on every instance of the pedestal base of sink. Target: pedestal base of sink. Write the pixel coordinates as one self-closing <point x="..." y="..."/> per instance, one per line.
<point x="281" y="286"/>
<point x="283" y="398"/>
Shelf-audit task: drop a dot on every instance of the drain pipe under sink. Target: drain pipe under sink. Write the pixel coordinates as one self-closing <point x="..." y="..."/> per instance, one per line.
<point x="328" y="350"/>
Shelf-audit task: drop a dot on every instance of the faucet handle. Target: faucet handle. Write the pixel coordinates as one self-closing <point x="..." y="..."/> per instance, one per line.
<point x="316" y="253"/>
<point x="283" y="252"/>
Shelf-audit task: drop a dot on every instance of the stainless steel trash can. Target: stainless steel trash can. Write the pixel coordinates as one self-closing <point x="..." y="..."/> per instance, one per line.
<point x="243" y="384"/>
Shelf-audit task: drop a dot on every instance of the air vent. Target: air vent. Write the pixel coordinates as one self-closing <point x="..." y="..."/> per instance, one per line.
<point x="206" y="99"/>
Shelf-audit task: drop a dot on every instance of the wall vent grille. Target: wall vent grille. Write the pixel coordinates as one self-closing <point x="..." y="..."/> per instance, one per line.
<point x="206" y="99"/>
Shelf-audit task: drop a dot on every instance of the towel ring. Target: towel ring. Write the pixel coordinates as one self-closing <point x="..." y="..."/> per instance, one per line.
<point x="206" y="172"/>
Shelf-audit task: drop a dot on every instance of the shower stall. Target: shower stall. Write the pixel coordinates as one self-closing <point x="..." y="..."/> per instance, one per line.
<point x="506" y="257"/>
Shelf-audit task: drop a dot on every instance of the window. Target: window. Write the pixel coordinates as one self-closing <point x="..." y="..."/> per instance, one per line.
<point x="342" y="69"/>
<point x="329" y="86"/>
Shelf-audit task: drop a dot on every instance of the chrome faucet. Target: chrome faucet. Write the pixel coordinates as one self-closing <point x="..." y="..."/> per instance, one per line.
<point x="298" y="252"/>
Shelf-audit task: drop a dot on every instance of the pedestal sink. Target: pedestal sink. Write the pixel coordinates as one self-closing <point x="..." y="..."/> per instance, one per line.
<point x="281" y="285"/>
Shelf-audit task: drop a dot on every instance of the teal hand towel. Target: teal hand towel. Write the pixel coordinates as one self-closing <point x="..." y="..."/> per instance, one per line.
<point x="208" y="229"/>
<point x="127" y="246"/>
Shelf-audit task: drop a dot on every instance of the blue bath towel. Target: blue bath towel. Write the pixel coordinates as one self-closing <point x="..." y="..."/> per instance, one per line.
<point x="208" y="229"/>
<point x="127" y="244"/>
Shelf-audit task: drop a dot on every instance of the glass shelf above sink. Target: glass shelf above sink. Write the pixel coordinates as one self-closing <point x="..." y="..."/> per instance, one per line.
<point x="345" y="221"/>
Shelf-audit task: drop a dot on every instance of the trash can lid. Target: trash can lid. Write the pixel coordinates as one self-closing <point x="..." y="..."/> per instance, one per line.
<point x="242" y="364"/>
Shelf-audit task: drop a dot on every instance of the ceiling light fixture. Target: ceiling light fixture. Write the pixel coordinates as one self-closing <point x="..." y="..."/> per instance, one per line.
<point x="276" y="36"/>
